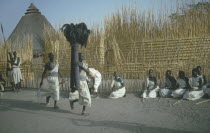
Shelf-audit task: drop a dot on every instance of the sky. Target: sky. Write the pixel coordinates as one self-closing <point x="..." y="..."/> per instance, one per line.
<point x="59" y="12"/>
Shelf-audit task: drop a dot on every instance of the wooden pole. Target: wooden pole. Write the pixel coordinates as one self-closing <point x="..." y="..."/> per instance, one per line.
<point x="203" y="101"/>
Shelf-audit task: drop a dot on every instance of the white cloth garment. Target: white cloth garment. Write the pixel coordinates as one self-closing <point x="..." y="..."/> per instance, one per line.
<point x="73" y="95"/>
<point x="1" y="87"/>
<point x="195" y="94"/>
<point x="150" y="92"/>
<point x="16" y="73"/>
<point x="118" y="92"/>
<point x="85" y="65"/>
<point x="204" y="87"/>
<point x="84" y="94"/>
<point x="180" y="91"/>
<point x="165" y="92"/>
<point x="206" y="90"/>
<point x="54" y="89"/>
<point x="97" y="76"/>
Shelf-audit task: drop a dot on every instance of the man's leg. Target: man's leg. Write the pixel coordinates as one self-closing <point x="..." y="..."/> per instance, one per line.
<point x="83" y="111"/>
<point x="47" y="99"/>
<point x="72" y="103"/>
<point x="13" y="86"/>
<point x="90" y="89"/>
<point x="19" y="86"/>
<point x="55" y="105"/>
<point x="16" y="87"/>
<point x="95" y="94"/>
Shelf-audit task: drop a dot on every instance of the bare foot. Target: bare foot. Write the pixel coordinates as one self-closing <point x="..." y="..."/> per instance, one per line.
<point x="56" y="107"/>
<point x="124" y="95"/>
<point x="85" y="114"/>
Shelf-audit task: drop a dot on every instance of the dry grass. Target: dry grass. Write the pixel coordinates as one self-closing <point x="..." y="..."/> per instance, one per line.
<point x="131" y="42"/>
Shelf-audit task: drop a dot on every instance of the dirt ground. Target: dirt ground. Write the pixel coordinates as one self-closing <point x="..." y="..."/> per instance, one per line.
<point x="20" y="113"/>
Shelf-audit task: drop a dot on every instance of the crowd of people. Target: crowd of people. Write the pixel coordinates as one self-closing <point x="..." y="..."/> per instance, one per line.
<point x="90" y="79"/>
<point x="191" y="88"/>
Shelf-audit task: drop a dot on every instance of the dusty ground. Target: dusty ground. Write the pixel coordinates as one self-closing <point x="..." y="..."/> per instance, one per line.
<point x="20" y="113"/>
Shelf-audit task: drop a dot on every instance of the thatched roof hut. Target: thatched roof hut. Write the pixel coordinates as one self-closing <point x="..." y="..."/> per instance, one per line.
<point x="33" y="24"/>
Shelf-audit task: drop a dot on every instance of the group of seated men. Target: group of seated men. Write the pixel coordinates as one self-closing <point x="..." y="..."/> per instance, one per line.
<point x="192" y="89"/>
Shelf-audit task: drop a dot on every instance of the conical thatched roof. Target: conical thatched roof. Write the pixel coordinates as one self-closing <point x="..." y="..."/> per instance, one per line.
<point x="32" y="24"/>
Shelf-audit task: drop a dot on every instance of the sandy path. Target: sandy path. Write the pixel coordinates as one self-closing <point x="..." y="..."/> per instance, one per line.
<point x="19" y="113"/>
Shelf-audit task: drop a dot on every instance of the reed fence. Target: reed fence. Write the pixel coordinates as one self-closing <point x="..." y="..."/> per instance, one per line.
<point x="136" y="59"/>
<point x="131" y="42"/>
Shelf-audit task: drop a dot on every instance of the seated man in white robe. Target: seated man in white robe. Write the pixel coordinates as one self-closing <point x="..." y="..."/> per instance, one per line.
<point x="170" y="85"/>
<point x="118" y="87"/>
<point x="196" y="91"/>
<point x="151" y="87"/>
<point x="182" y="86"/>
<point x="205" y="88"/>
<point x="54" y="89"/>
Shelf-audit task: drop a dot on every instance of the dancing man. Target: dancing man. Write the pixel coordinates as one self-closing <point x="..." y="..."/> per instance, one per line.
<point x="54" y="90"/>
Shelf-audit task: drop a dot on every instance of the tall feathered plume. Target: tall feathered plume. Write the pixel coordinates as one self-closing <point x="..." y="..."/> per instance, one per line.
<point x="77" y="33"/>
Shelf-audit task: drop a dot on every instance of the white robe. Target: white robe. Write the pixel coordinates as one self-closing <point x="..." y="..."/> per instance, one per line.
<point x="196" y="94"/>
<point x="119" y="92"/>
<point x="206" y="90"/>
<point x="179" y="92"/>
<point x="84" y="94"/>
<point x="204" y="87"/>
<point x="54" y="89"/>
<point x="73" y="95"/>
<point x="16" y="73"/>
<point x="165" y="92"/>
<point x="150" y="93"/>
<point x="1" y="87"/>
<point x="97" y="76"/>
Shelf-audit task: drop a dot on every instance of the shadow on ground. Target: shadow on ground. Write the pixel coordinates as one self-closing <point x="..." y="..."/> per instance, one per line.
<point x="126" y="126"/>
<point x="9" y="104"/>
